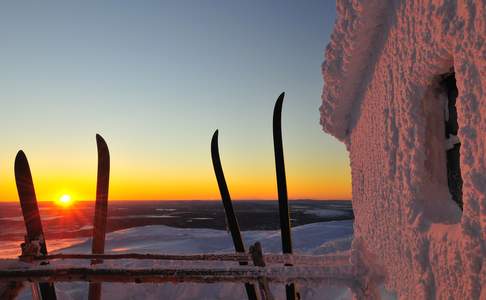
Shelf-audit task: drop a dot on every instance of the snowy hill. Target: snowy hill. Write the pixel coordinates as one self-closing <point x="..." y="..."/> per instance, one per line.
<point x="164" y="239"/>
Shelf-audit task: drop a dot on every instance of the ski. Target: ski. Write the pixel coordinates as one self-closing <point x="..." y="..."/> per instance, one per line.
<point x="33" y="224"/>
<point x="232" y="222"/>
<point x="283" y="205"/>
<point x="101" y="209"/>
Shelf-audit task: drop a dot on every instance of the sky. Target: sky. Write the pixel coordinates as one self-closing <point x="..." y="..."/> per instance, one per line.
<point x="155" y="79"/>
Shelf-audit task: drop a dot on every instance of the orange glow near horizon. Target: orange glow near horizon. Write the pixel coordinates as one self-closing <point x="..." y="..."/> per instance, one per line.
<point x="180" y="188"/>
<point x="135" y="176"/>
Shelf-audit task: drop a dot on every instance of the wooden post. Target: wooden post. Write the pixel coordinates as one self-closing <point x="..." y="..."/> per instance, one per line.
<point x="257" y="256"/>
<point x="10" y="290"/>
<point x="31" y="249"/>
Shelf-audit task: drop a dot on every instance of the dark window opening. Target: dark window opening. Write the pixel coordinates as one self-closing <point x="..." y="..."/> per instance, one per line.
<point x="453" y="145"/>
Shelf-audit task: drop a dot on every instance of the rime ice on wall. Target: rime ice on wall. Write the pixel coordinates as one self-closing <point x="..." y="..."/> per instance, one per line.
<point x="382" y="98"/>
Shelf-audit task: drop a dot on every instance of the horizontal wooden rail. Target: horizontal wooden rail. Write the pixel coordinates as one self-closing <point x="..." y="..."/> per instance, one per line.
<point x="280" y="274"/>
<point x="313" y="260"/>
<point x="140" y="256"/>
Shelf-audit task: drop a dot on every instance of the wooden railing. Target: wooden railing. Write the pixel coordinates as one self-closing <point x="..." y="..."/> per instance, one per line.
<point x="347" y="269"/>
<point x="305" y="268"/>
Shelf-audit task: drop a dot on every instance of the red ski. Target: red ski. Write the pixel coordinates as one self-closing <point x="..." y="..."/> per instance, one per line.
<point x="30" y="210"/>
<point x="101" y="209"/>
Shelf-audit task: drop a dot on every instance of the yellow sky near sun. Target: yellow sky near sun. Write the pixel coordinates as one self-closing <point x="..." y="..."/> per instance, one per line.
<point x="149" y="173"/>
<point x="158" y="183"/>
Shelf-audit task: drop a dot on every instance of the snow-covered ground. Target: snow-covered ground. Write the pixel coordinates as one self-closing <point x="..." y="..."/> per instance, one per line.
<point x="317" y="238"/>
<point x="164" y="239"/>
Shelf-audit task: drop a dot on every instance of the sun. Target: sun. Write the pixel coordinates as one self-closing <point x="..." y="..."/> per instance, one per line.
<point x="64" y="201"/>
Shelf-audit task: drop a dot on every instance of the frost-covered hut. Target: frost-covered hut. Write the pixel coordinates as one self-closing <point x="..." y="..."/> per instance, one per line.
<point x="405" y="90"/>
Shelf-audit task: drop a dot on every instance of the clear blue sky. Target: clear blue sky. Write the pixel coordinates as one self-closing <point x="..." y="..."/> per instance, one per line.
<point x="156" y="78"/>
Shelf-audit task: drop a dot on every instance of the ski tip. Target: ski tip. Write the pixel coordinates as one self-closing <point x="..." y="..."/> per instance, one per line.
<point x="214" y="140"/>
<point x="215" y="134"/>
<point x="278" y="105"/>
<point x="21" y="157"/>
<point x="279" y="101"/>
<point x="21" y="162"/>
<point x="99" y="138"/>
<point x="100" y="142"/>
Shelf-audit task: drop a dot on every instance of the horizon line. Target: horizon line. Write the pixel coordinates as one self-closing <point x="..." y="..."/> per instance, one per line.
<point x="122" y="200"/>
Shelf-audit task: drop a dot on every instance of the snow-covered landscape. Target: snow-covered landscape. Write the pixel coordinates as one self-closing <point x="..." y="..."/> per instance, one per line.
<point x="403" y="106"/>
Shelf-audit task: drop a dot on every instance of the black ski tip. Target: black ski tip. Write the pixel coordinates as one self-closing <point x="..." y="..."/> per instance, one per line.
<point x="101" y="144"/>
<point x="278" y="104"/>
<point x="20" y="161"/>
<point x="100" y="140"/>
<point x="215" y="147"/>
<point x="20" y="156"/>
<point x="215" y="137"/>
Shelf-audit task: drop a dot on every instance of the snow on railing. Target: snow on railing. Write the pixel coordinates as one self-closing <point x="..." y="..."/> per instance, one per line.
<point x="329" y="264"/>
<point x="276" y="274"/>
<point x="348" y="268"/>
<point x="314" y="260"/>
